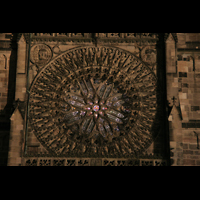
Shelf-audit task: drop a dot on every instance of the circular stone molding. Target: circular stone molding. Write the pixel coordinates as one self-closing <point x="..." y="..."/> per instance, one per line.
<point x="40" y="54"/>
<point x="93" y="101"/>
<point x="148" y="54"/>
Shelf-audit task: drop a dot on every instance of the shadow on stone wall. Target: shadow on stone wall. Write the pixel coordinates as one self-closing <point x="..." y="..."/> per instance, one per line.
<point x="8" y="110"/>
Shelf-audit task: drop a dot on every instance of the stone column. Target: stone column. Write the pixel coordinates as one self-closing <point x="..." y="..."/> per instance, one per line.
<point x="171" y="70"/>
<point x="175" y="132"/>
<point x="21" y="70"/>
<point x="17" y="122"/>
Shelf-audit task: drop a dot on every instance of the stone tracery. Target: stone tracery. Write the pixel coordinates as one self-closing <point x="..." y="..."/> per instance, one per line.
<point x="94" y="101"/>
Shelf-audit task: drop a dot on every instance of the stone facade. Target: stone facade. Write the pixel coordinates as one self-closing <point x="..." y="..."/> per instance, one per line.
<point x="156" y="73"/>
<point x="183" y="95"/>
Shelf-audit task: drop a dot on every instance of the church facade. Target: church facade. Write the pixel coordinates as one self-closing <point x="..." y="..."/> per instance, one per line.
<point x="99" y="99"/>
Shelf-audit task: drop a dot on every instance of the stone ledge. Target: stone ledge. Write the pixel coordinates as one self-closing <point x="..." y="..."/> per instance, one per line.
<point x="49" y="161"/>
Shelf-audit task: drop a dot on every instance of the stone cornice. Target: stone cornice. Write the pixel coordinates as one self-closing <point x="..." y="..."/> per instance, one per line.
<point x="94" y="37"/>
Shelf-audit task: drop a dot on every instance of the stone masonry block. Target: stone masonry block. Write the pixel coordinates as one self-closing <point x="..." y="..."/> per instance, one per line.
<point x="185" y="146"/>
<point x="186" y="151"/>
<point x="13" y="154"/>
<point x="188" y="162"/>
<point x="193" y="146"/>
<point x="197" y="162"/>
<point x="189" y="139"/>
<point x="182" y="95"/>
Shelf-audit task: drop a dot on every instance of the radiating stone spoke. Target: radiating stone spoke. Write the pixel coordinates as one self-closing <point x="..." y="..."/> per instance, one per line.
<point x="101" y="90"/>
<point x="76" y="97"/>
<point x="116" y="97"/>
<point x="76" y="103"/>
<point x="71" y="114"/>
<point x="115" y="119"/>
<point x="108" y="91"/>
<point x="84" y="124"/>
<point x="83" y="88"/>
<point x="118" y="103"/>
<point x="102" y="130"/>
<point x="73" y="120"/>
<point x="90" y="126"/>
<point x="107" y="127"/>
<point x="89" y="86"/>
<point x="116" y="113"/>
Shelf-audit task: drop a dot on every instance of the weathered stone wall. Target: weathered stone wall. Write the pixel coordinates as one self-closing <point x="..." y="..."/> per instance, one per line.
<point x="182" y="80"/>
<point x="184" y="86"/>
<point x="5" y="61"/>
<point x="5" y="52"/>
<point x="16" y="139"/>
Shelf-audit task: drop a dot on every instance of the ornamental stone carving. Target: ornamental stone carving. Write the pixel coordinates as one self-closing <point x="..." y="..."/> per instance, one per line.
<point x="93" y="101"/>
<point x="40" y="54"/>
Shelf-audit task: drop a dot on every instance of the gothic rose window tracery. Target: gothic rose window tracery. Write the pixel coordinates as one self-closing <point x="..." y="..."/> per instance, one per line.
<point x="99" y="109"/>
<point x="94" y="101"/>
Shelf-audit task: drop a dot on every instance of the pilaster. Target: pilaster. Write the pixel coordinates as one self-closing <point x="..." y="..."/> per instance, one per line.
<point x="21" y="70"/>
<point x="15" y="140"/>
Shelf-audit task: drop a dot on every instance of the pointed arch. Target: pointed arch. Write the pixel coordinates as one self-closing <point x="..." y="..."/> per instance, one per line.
<point x="3" y="61"/>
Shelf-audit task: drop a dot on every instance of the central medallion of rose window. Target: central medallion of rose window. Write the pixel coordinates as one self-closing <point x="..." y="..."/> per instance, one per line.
<point x="98" y="110"/>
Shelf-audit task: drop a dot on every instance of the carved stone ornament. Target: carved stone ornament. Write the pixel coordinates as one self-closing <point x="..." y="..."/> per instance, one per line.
<point x="94" y="101"/>
<point x="40" y="54"/>
<point x="148" y="54"/>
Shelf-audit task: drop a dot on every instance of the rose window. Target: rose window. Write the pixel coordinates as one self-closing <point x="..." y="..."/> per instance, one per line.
<point x="94" y="102"/>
